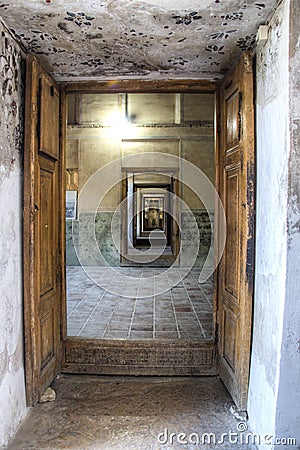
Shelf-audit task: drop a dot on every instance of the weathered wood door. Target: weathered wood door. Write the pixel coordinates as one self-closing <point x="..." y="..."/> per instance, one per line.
<point x="236" y="160"/>
<point x="42" y="222"/>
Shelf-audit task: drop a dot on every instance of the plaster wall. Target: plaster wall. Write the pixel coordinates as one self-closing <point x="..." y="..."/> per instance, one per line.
<point x="181" y="125"/>
<point x="288" y="410"/>
<point x="275" y="352"/>
<point x="12" y="385"/>
<point x="176" y="124"/>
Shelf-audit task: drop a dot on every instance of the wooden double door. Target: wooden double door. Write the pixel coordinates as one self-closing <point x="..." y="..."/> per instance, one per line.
<point x="44" y="228"/>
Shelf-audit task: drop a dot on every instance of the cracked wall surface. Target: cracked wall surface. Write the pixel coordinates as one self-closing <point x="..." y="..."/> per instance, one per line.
<point x="12" y="387"/>
<point x="288" y="411"/>
<point x="271" y="210"/>
<point x="273" y="403"/>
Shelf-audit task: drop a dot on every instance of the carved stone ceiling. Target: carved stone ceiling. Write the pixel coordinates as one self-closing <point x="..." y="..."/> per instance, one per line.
<point x="95" y="39"/>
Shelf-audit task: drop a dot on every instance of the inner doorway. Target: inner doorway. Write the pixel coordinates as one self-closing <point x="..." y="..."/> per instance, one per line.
<point x="143" y="287"/>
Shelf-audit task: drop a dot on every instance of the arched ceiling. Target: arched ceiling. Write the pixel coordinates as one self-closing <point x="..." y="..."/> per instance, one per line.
<point x="136" y="38"/>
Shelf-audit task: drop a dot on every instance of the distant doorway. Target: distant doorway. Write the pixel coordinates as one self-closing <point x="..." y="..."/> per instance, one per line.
<point x="150" y="233"/>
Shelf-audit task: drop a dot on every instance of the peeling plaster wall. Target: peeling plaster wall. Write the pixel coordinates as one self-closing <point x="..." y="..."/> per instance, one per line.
<point x="12" y="385"/>
<point x="274" y="376"/>
<point x="288" y="409"/>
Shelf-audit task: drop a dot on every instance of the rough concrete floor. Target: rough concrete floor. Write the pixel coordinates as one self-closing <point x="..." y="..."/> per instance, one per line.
<point x="131" y="413"/>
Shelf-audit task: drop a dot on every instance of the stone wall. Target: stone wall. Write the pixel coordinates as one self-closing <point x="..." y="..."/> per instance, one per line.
<point x="12" y="384"/>
<point x="102" y="226"/>
<point x="102" y="222"/>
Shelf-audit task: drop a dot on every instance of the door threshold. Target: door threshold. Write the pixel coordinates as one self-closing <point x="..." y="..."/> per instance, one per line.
<point x="147" y="357"/>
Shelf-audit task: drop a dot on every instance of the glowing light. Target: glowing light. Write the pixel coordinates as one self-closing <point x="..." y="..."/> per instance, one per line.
<point x="120" y="127"/>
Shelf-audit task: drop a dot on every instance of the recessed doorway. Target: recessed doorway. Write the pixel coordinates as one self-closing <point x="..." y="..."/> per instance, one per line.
<point x="153" y="233"/>
<point x="49" y="348"/>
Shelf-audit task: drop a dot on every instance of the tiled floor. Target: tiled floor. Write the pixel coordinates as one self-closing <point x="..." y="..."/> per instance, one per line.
<point x="176" y="305"/>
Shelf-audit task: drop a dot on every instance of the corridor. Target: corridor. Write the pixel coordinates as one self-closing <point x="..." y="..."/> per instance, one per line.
<point x="213" y="86"/>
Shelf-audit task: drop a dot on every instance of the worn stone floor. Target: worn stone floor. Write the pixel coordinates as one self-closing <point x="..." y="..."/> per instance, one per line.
<point x="138" y="303"/>
<point x="108" y="413"/>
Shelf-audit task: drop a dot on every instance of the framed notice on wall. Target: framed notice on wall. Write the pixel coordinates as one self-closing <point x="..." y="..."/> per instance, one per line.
<point x="71" y="205"/>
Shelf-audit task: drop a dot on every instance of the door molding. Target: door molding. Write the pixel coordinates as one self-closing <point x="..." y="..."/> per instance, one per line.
<point x="140" y="86"/>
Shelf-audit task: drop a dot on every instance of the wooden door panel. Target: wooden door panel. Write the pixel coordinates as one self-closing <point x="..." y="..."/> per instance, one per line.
<point x="236" y="156"/>
<point x="232" y="111"/>
<point x="229" y="337"/>
<point x="43" y="263"/>
<point x="231" y="189"/>
<point x="49" y="112"/>
<point x="49" y="312"/>
<point x="49" y="346"/>
<point x="47" y="208"/>
<point x="48" y="327"/>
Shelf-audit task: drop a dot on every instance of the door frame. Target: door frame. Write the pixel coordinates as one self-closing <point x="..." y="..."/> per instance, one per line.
<point x="80" y="355"/>
<point x="88" y="355"/>
<point x="127" y="177"/>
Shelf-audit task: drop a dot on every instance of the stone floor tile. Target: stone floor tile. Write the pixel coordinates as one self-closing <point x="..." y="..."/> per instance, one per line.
<point x="88" y="303"/>
<point x="110" y="334"/>
<point x="140" y="335"/>
<point x="171" y="335"/>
